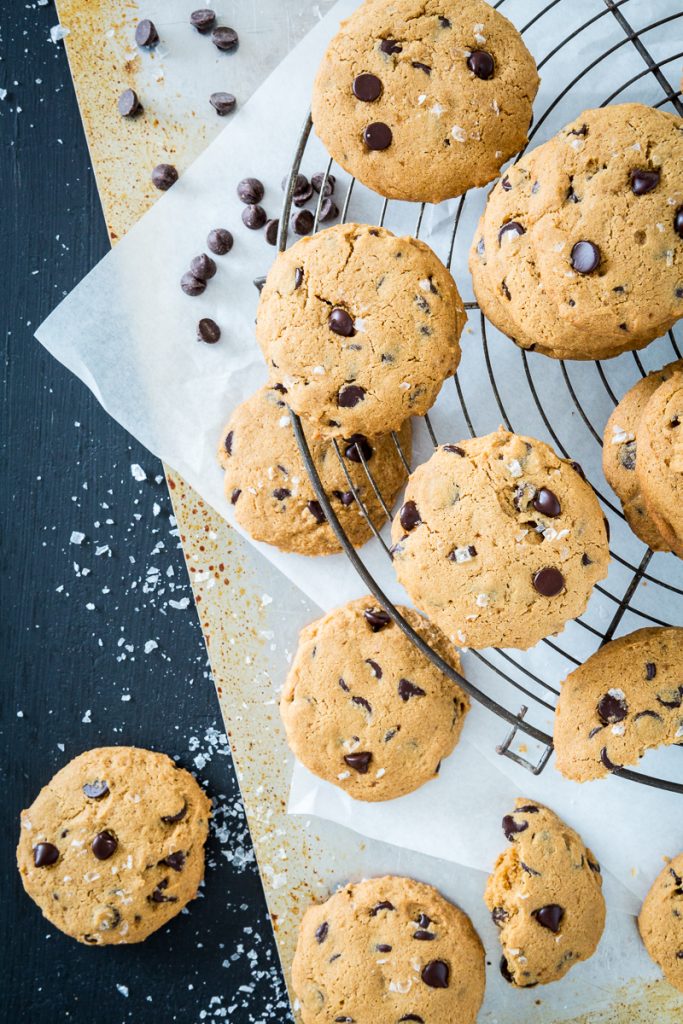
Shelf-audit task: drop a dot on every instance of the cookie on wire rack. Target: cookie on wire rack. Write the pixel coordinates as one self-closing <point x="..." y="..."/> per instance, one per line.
<point x="660" y="921"/>
<point x="660" y="466"/>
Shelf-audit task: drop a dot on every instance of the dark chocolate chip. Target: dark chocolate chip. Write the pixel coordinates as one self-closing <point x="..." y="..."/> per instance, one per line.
<point x="171" y="819"/>
<point x="612" y="709"/>
<point x="146" y="33"/>
<point x="406" y="690"/>
<point x="650" y="670"/>
<point x="219" y="241"/>
<point x="505" y="971"/>
<point x="328" y="210"/>
<point x="390" y="46"/>
<point x="343" y="685"/>
<point x="423" y="920"/>
<point x="235" y="495"/>
<point x="45" y="854"/>
<point x="377" y="136"/>
<point x="298" y="277"/>
<point x="203" y="19"/>
<point x="321" y="932"/>
<point x="358" y="445"/>
<point x="481" y="63"/>
<point x="254" y="217"/>
<point x="582" y="130"/>
<point x="174" y="860"/>
<point x="549" y="917"/>
<point x="673" y="699"/>
<point x="104" y="845"/>
<point x="225" y="39"/>
<point x="627" y="456"/>
<point x="250" y="191"/>
<point x="164" y="176"/>
<point x="300" y="183"/>
<point x="548" y="582"/>
<point x="191" y="285"/>
<point x="505" y="290"/>
<point x="529" y="870"/>
<point x="281" y="493"/>
<point x="302" y="222"/>
<point x="412" y="1016"/>
<point x="203" y="267"/>
<point x="208" y="331"/>
<point x="362" y="703"/>
<point x="512" y="228"/>
<point x="585" y="257"/>
<point x="643" y="182"/>
<point x="527" y="809"/>
<point x="376" y="618"/>
<point x="422" y="935"/>
<point x="272" y="228"/>
<point x="227" y="444"/>
<point x="129" y="103"/>
<point x="499" y="916"/>
<point x="159" y="896"/>
<point x="383" y="905"/>
<point x="390" y="733"/>
<point x="647" y="714"/>
<point x="678" y="221"/>
<point x="512" y="827"/>
<point x="350" y="395"/>
<point x="366" y="88"/>
<point x="360" y="762"/>
<point x="96" y="790"/>
<point x="607" y="763"/>
<point x="223" y="103"/>
<point x="383" y="947"/>
<point x="345" y="497"/>
<point x="301" y="197"/>
<point x="409" y="516"/>
<point x="454" y="449"/>
<point x="421" y="67"/>
<point x="315" y="508"/>
<point x="505" y="184"/>
<point x="546" y="503"/>
<point x="376" y="670"/>
<point x="436" y="974"/>
<point x="341" y="322"/>
<point x="330" y="182"/>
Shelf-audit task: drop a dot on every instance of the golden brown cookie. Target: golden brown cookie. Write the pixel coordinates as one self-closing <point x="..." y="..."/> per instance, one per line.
<point x="660" y="464"/>
<point x="364" y="709"/>
<point x="545" y="895"/>
<point x="661" y="922"/>
<point x="268" y="486"/>
<point x="387" y="950"/>
<point x="113" y="847"/>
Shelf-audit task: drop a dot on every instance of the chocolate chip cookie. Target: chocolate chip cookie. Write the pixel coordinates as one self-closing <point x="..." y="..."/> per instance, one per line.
<point x="499" y="541"/>
<point x="545" y="895"/>
<point x="661" y="922"/>
<point x="113" y="846"/>
<point x="423" y="100"/>
<point x="267" y="484"/>
<point x="360" y="327"/>
<point x="388" y="950"/>
<point x="660" y="467"/>
<point x="626" y="699"/>
<point x="364" y="709"/>
<point x="619" y="454"/>
<point x="579" y="252"/>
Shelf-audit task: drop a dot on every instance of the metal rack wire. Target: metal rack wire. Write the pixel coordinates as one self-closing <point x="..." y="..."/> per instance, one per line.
<point x="540" y="694"/>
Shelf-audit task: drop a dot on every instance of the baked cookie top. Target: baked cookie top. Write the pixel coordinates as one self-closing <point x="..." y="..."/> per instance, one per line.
<point x="627" y="698"/>
<point x="386" y="950"/>
<point x="364" y="709"/>
<point x="360" y="327"/>
<point x="579" y="253"/>
<point x="113" y="846"/>
<point x="660" y="466"/>
<point x="423" y="100"/>
<point x="661" y="921"/>
<point x="271" y="493"/>
<point x="545" y="895"/>
<point x="499" y="541"/>
<point x="619" y="454"/>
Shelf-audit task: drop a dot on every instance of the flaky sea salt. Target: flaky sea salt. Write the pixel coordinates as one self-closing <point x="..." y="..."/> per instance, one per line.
<point x="138" y="473"/>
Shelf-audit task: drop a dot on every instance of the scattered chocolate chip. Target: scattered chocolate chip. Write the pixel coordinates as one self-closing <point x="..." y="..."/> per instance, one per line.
<point x="436" y="974"/>
<point x="281" y="493"/>
<point x="422" y="935"/>
<point x="219" y="241"/>
<point x="643" y="182"/>
<point x="315" y="508"/>
<point x="383" y="905"/>
<point x="512" y="827"/>
<point x="321" y="932"/>
<point x="164" y="176"/>
<point x="421" y="67"/>
<point x="409" y="516"/>
<point x="171" y="819"/>
<point x="301" y="196"/>
<point x="390" y="46"/>
<point x="176" y="861"/>
<point x="454" y="449"/>
<point x="350" y="395"/>
<point x="208" y="331"/>
<point x="406" y="690"/>
<point x="330" y="182"/>
<point x="203" y="19"/>
<point x="505" y="971"/>
<point x="480" y="63"/>
<point x="607" y="763"/>
<point x="104" y="845"/>
<point x="129" y="103"/>
<point x="191" y="285"/>
<point x="549" y="917"/>
<point x="678" y="221"/>
<point x="223" y="103"/>
<point x="45" y="854"/>
<point x="548" y="582"/>
<point x="376" y="618"/>
<point x="377" y="136"/>
<point x="159" y="896"/>
<point x="328" y="210"/>
<point x="96" y="790"/>
<point x="360" y="762"/>
<point x="302" y="222"/>
<point x="366" y="88"/>
<point x="341" y="322"/>
<point x="546" y="503"/>
<point x="512" y="228"/>
<point x="250" y="191"/>
<point x="146" y="33"/>
<point x="235" y="495"/>
<point x="225" y="39"/>
<point x="362" y="703"/>
<point x="272" y="228"/>
<point x="254" y="217"/>
<point x="499" y="916"/>
<point x="585" y="257"/>
<point x="203" y="267"/>
<point x="376" y="670"/>
<point x="358" y="445"/>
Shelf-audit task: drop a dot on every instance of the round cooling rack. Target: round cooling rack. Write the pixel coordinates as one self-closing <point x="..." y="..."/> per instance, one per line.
<point x="557" y="394"/>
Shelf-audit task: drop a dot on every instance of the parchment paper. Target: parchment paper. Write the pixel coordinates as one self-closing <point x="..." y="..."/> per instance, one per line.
<point x="129" y="333"/>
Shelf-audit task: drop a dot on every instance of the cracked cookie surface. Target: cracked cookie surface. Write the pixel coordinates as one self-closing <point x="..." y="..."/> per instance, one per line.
<point x="113" y="846"/>
<point x="545" y="896"/>
<point x="364" y="709"/>
<point x="499" y="541"/>
<point x="268" y="485"/>
<point x="387" y="950"/>
<point x="360" y="327"/>
<point x="660" y="466"/>
<point x="661" y="921"/>
<point x="424" y="99"/>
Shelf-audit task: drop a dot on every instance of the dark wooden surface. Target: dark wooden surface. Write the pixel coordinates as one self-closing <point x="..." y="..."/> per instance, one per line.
<point x="72" y="645"/>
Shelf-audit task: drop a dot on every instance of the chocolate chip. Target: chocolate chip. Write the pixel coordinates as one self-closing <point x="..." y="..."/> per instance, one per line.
<point x="527" y="809"/>
<point x="650" y="670"/>
<point x="315" y="508"/>
<point x="321" y="932"/>
<point x="505" y="971"/>
<point x="530" y="870"/>
<point x="627" y="456"/>
<point x="272" y="228"/>
<point x="191" y="285"/>
<point x="612" y="708"/>
<point x="225" y="39"/>
<point x="390" y="46"/>
<point x="301" y="196"/>
<point x="341" y="322"/>
<point x="423" y="936"/>
<point x="235" y="495"/>
<point x="171" y="819"/>
<point x="174" y="860"/>
<point x="227" y="444"/>
<point x="643" y="182"/>
<point x="129" y="104"/>
<point x="360" y="762"/>
<point x="585" y="257"/>
<point x="512" y="827"/>
<point x="223" y="103"/>
<point x="505" y="184"/>
<point x="350" y="395"/>
<point x="548" y="582"/>
<point x="549" y="917"/>
<point x="583" y="130"/>
<point x="219" y="241"/>
<point x="673" y="699"/>
<point x="546" y="503"/>
<point x="383" y="947"/>
<point x="412" y="1016"/>
<point x="146" y="33"/>
<point x="345" y="497"/>
<point x="607" y="763"/>
<point x="436" y="974"/>
<point x="678" y="221"/>
<point x="406" y="690"/>
<point x="499" y="916"/>
<point x="454" y="449"/>
<point x="512" y="228"/>
<point x="647" y="714"/>
<point x="281" y="493"/>
<point x="362" y="703"/>
<point x="254" y="217"/>
<point x="250" y="191"/>
<point x="383" y="905"/>
<point x="376" y="670"/>
<point x="343" y="686"/>
<point x="203" y="19"/>
<point x="298" y="277"/>
<point x="421" y="67"/>
<point x="328" y="210"/>
<point x="96" y="790"/>
<point x="203" y="267"/>
<point x="330" y="182"/>
<point x="302" y="222"/>
<point x="409" y="516"/>
<point x="45" y="854"/>
<point x="159" y="896"/>
<point x="376" y="618"/>
<point x="208" y="331"/>
<point x="481" y="63"/>
<point x="390" y="733"/>
<point x="164" y="176"/>
<point x="104" y="845"/>
<point x="505" y="290"/>
<point x="366" y="88"/>
<point x="358" y="445"/>
<point x="423" y="920"/>
<point x="377" y="136"/>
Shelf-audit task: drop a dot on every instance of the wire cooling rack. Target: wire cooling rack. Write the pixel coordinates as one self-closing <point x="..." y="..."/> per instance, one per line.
<point x="631" y="47"/>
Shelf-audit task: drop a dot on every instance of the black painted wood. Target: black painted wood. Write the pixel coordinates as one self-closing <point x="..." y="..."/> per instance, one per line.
<point x="74" y="623"/>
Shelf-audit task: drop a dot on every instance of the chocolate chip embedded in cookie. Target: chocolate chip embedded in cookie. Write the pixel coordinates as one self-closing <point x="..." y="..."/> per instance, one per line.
<point x="361" y="327"/>
<point x="499" y="541"/>
<point x="660" y="466"/>
<point x="545" y="896"/>
<point x="661" y="922"/>
<point x="268" y="486"/>
<point x="113" y="846"/>
<point x="364" y="709"/>
<point x="387" y="950"/>
<point x="626" y="699"/>
<point x="422" y="102"/>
